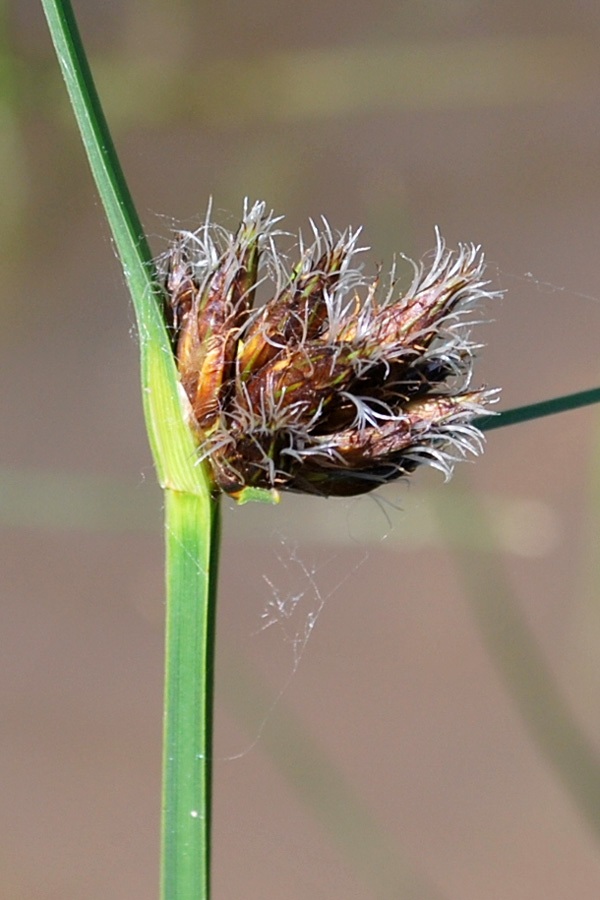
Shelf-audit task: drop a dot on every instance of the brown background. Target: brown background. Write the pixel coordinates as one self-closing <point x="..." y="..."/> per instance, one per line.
<point x="388" y="756"/>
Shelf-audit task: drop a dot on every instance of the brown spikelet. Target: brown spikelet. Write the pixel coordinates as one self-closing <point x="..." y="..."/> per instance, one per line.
<point x="326" y="388"/>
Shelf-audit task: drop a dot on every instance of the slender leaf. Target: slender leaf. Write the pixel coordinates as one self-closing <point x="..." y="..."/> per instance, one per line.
<point x="191" y="517"/>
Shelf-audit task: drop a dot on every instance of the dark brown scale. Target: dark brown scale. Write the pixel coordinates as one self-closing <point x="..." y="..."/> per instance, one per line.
<point x="297" y="314"/>
<point x="300" y="380"/>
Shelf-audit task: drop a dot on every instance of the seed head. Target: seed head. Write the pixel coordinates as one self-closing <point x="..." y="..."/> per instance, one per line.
<point x="335" y="385"/>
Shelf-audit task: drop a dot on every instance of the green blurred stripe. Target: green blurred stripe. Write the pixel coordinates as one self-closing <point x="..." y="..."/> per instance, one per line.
<point x="348" y="80"/>
<point x="67" y="500"/>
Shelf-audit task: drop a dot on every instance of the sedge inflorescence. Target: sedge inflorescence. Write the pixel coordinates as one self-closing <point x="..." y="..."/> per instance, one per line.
<point x="337" y="383"/>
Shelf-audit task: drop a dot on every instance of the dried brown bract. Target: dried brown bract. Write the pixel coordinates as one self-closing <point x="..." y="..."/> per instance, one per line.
<point x="329" y="388"/>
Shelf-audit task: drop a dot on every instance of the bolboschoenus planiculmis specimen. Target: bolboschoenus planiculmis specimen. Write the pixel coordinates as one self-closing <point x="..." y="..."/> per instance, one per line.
<point x="337" y="383"/>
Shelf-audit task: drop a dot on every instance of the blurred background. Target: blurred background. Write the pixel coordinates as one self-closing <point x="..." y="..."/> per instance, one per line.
<point x="407" y="683"/>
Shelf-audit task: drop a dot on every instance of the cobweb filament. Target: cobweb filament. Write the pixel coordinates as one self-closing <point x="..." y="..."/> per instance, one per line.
<point x="295" y="614"/>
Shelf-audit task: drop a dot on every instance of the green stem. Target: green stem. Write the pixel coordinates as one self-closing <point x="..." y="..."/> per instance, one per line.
<point x="187" y="749"/>
<point x="539" y="410"/>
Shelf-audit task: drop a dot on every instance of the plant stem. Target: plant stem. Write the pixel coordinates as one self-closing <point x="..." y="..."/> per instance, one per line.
<point x="539" y="410"/>
<point x="187" y="749"/>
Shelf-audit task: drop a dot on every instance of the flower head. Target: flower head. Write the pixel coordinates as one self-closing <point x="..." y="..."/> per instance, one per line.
<point x="336" y="384"/>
